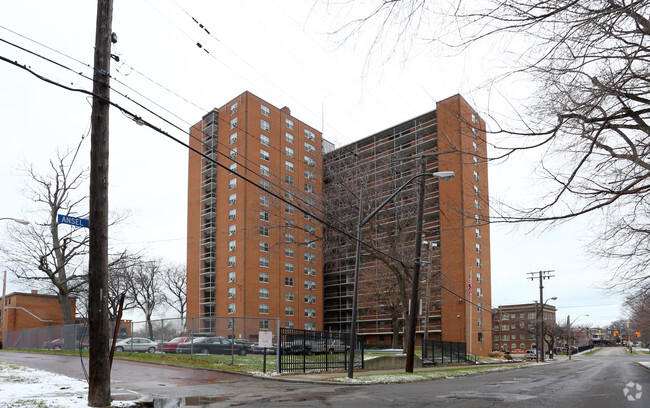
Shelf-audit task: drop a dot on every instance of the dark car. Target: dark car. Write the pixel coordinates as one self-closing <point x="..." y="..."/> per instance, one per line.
<point x="298" y="346"/>
<point x="171" y="345"/>
<point x="212" y="345"/>
<point x="257" y="349"/>
<point x="330" y="346"/>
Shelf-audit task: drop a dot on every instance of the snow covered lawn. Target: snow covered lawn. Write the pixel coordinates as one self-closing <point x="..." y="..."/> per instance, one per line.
<point x="29" y="388"/>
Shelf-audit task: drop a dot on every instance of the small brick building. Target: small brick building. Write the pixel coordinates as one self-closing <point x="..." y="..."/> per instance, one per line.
<point x="514" y="325"/>
<point x="31" y="310"/>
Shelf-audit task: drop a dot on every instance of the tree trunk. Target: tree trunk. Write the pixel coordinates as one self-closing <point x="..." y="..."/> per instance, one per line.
<point x="66" y="310"/>
<point x="395" y="325"/>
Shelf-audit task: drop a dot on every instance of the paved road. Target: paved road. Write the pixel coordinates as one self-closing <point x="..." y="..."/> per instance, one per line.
<point x="588" y="381"/>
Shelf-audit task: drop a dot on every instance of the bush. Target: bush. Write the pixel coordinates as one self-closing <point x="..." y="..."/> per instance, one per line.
<point x="496" y="354"/>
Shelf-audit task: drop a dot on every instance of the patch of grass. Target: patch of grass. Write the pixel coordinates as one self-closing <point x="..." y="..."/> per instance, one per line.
<point x="590" y="352"/>
<point x="423" y="375"/>
<point x="29" y="403"/>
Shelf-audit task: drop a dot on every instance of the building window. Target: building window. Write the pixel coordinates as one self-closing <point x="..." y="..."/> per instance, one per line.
<point x="475" y="146"/>
<point x="479" y="279"/>
<point x="289" y="123"/>
<point x="477" y="205"/>
<point x="264" y="184"/>
<point x="232" y="184"/>
<point x="232" y="245"/>
<point x="478" y="248"/>
<point x="288" y="165"/>
<point x="264" y="277"/>
<point x="233" y="138"/>
<point x="264" y="308"/>
<point x="288" y="208"/>
<point x="289" y="180"/>
<point x="232" y="276"/>
<point x="233" y="168"/>
<point x="480" y="337"/>
<point x="232" y="261"/>
<point x="288" y="151"/>
<point x="288" y="222"/>
<point x="479" y="293"/>
<point x="310" y="243"/>
<point x="310" y="188"/>
<point x="264" y="139"/>
<point x="264" y="246"/>
<point x="264" y="293"/>
<point x="233" y="108"/>
<point x="479" y="322"/>
<point x="288" y="281"/>
<point x="265" y="110"/>
<point x="474" y="118"/>
<point x="310" y="312"/>
<point x="310" y="270"/>
<point x="264" y="261"/>
<point x="310" y="135"/>
<point x="288" y="252"/>
<point x="288" y="266"/>
<point x="233" y="152"/>
<point x="233" y="123"/>
<point x="310" y="229"/>
<point x="264" y="170"/>
<point x="478" y="263"/>
<point x="479" y="307"/>
<point x="265" y="125"/>
<point x="231" y="308"/>
<point x="310" y="175"/>
<point x="310" y="162"/>
<point x="264" y="215"/>
<point x="475" y="160"/>
<point x="478" y="233"/>
<point x="264" y="155"/>
<point x="310" y="326"/>
<point x="288" y="238"/>
<point x="231" y="293"/>
<point x="288" y="194"/>
<point x="309" y="148"/>
<point x="264" y="200"/>
<point x="264" y="231"/>
<point x="288" y="310"/>
<point x="476" y="177"/>
<point x="476" y="190"/>
<point x="477" y="219"/>
<point x="288" y="137"/>
<point x="232" y="199"/>
<point x="232" y="214"/>
<point x="232" y="230"/>
<point x="310" y="284"/>
<point x="309" y="257"/>
<point x="288" y="324"/>
<point x="309" y="298"/>
<point x="475" y="132"/>
<point x="264" y="324"/>
<point x="288" y="296"/>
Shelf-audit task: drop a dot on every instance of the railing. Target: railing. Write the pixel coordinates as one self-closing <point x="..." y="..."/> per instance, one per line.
<point x="308" y="351"/>
<point x="444" y="352"/>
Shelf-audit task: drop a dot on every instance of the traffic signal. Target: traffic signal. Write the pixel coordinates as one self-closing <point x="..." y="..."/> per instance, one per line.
<point x="615" y="333"/>
<point x="637" y="334"/>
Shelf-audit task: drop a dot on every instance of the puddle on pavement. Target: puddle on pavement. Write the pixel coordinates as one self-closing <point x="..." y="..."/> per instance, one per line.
<point x="198" y="401"/>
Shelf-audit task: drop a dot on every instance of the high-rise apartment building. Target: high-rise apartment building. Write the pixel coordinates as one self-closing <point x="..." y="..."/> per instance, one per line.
<point x="455" y="292"/>
<point x="250" y="251"/>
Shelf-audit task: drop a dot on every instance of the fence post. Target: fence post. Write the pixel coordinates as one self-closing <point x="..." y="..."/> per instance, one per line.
<point x="278" y="340"/>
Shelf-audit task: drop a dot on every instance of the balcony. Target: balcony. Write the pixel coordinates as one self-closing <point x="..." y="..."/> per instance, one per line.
<point x="208" y="256"/>
<point x="209" y="170"/>
<point x="209" y="184"/>
<point x="209" y="213"/>
<point x="209" y="199"/>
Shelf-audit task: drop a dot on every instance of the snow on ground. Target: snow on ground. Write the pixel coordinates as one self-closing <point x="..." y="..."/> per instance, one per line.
<point x="29" y="388"/>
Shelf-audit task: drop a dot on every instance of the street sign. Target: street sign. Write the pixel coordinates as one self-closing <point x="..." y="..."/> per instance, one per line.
<point x="77" y="222"/>
<point x="266" y="339"/>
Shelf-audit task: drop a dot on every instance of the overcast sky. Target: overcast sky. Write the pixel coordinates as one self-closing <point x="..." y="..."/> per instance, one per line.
<point x="283" y="52"/>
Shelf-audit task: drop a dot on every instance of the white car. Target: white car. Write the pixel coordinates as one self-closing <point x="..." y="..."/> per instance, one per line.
<point x="136" y="344"/>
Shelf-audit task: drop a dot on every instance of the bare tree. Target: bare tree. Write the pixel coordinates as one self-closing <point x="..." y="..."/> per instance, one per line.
<point x="589" y="116"/>
<point x="49" y="255"/>
<point x="120" y="269"/>
<point x="638" y="310"/>
<point x="175" y="281"/>
<point x="145" y="287"/>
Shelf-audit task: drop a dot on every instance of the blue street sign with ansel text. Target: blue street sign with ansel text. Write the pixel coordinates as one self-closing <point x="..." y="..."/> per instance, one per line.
<point x="77" y="222"/>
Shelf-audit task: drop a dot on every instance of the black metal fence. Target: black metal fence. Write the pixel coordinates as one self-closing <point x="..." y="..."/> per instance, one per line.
<point x="443" y="352"/>
<point x="308" y="350"/>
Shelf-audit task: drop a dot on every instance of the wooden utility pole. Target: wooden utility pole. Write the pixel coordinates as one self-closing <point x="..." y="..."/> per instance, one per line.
<point x="99" y="390"/>
<point x="541" y="275"/>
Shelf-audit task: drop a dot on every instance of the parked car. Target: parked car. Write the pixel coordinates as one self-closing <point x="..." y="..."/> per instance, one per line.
<point x="257" y="349"/>
<point x="212" y="345"/>
<point x="170" y="346"/>
<point x="531" y="354"/>
<point x="55" y="344"/>
<point x="330" y="346"/>
<point x="297" y="346"/>
<point x="137" y="344"/>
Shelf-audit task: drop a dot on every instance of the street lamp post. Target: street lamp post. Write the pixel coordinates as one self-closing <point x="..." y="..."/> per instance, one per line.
<point x="431" y="245"/>
<point x="443" y="175"/>
<point x="4" y="286"/>
<point x="541" y="323"/>
<point x="568" y="332"/>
